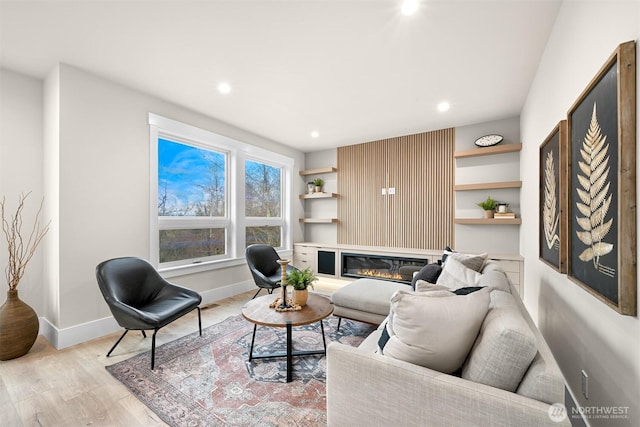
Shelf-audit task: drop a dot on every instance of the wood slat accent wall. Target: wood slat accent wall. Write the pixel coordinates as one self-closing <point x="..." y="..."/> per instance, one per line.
<point x="420" y="214"/>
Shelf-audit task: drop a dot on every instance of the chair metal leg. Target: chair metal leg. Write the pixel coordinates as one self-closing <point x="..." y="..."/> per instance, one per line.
<point x="259" y="289"/>
<point x="117" y="342"/>
<point x="199" y="321"/>
<point x="144" y="334"/>
<point x="339" y="320"/>
<point x="153" y="349"/>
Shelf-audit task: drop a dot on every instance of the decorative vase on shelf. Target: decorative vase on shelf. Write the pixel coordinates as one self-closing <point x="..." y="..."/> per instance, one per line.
<point x="488" y="214"/>
<point x="19" y="327"/>
<point x="300" y="297"/>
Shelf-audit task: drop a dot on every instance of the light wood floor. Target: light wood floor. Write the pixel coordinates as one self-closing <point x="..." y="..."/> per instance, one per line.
<point x="71" y="387"/>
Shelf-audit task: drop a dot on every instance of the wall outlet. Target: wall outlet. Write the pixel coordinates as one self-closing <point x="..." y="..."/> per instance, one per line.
<point x="392" y="190"/>
<point x="384" y="191"/>
<point x="585" y="384"/>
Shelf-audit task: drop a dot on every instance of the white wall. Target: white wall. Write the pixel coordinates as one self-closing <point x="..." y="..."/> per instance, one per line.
<point x="96" y="166"/>
<point x="583" y="332"/>
<point x="21" y="169"/>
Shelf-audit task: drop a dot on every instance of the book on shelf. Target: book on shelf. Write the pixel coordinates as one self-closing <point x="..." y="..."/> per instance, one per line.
<point x="504" y="215"/>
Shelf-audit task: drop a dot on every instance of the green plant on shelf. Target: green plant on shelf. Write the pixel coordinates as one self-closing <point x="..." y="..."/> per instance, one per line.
<point x="489" y="204"/>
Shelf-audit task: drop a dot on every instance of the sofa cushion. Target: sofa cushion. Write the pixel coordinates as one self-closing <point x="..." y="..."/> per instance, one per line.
<point x="456" y="275"/>
<point x="429" y="273"/>
<point x="504" y="348"/>
<point x="367" y="295"/>
<point x="434" y="329"/>
<point x="494" y="279"/>
<point x="541" y="382"/>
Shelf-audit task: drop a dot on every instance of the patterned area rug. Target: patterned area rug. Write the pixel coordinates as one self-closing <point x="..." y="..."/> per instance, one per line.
<point x="209" y="381"/>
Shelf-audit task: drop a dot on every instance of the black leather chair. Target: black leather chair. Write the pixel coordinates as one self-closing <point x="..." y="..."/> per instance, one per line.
<point x="140" y="299"/>
<point x="266" y="272"/>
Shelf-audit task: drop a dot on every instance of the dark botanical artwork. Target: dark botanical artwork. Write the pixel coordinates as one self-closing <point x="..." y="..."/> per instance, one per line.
<point x="601" y="229"/>
<point x="552" y="195"/>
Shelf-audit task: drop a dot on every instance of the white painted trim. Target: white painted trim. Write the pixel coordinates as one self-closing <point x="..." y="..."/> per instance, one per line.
<point x="77" y="334"/>
<point x="66" y="337"/>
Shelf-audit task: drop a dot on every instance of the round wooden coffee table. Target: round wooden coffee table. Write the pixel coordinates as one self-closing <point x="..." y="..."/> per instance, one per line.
<point x="258" y="312"/>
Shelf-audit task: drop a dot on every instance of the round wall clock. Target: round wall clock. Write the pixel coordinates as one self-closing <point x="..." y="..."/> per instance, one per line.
<point x="488" y="140"/>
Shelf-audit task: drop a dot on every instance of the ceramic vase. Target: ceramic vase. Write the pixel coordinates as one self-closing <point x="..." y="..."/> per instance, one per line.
<point x="19" y="327"/>
<point x="300" y="297"/>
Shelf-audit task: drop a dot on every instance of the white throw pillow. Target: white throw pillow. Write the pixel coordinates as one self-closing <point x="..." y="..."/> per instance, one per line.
<point x="424" y="286"/>
<point x="455" y="275"/>
<point x="434" y="329"/>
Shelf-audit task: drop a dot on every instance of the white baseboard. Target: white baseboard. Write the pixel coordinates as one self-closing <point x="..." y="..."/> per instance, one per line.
<point x="66" y="337"/>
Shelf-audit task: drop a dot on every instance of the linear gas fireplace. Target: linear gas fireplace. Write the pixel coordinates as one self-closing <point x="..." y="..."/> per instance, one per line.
<point x="393" y="268"/>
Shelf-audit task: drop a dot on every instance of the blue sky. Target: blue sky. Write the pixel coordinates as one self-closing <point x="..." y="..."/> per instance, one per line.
<point x="182" y="168"/>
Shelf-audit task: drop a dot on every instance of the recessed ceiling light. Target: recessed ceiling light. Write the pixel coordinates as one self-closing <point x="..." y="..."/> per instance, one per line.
<point x="315" y="134"/>
<point x="224" y="88"/>
<point x="409" y="7"/>
<point x="443" y="106"/>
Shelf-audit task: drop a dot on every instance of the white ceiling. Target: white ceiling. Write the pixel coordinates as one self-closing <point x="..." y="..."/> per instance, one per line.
<point x="355" y="71"/>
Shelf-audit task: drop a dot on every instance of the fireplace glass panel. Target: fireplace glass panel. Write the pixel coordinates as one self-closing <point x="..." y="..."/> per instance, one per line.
<point x="397" y="269"/>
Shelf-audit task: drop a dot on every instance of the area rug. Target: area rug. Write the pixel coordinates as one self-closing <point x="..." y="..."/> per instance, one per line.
<point x="209" y="381"/>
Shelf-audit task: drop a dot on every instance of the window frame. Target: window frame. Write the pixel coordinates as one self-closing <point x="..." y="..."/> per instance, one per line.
<point x="234" y="220"/>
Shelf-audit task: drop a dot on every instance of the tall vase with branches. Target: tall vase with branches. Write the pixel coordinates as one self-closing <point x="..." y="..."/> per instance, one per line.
<point x="18" y="322"/>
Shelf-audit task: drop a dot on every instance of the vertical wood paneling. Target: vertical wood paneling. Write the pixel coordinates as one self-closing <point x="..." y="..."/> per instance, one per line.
<point x="421" y="169"/>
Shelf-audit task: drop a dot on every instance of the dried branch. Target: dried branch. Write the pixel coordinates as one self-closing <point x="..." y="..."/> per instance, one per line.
<point x="20" y="251"/>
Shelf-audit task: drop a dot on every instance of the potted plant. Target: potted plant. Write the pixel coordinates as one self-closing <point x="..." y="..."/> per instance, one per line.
<point x="19" y="324"/>
<point x="318" y="182"/>
<point x="301" y="281"/>
<point x="488" y="206"/>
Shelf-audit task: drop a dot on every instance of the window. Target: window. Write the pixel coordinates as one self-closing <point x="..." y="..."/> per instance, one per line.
<point x="263" y="203"/>
<point x="212" y="196"/>
<point x="191" y="202"/>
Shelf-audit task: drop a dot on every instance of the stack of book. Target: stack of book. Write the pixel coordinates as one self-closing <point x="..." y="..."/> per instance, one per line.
<point x="504" y="215"/>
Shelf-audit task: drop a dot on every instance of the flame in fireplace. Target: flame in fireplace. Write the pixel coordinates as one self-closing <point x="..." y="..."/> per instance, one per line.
<point x="381" y="274"/>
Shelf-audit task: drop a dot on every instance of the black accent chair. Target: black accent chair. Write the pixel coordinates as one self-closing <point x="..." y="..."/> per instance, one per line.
<point x="140" y="299"/>
<point x="266" y="272"/>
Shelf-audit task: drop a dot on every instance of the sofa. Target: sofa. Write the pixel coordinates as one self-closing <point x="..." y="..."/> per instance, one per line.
<point x="367" y="387"/>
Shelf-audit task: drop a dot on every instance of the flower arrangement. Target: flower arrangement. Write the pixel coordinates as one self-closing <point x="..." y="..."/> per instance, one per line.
<point x="21" y="247"/>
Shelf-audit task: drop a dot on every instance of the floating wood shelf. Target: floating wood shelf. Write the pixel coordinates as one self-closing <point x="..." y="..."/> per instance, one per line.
<point x="485" y="151"/>
<point x="318" y="220"/>
<point x="318" y="195"/>
<point x="487" y="221"/>
<point x="488" y="186"/>
<point x="317" y="171"/>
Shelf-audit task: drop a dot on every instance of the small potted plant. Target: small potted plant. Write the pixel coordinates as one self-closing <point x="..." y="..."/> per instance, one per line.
<point x="301" y="281"/>
<point x="488" y="206"/>
<point x="318" y="182"/>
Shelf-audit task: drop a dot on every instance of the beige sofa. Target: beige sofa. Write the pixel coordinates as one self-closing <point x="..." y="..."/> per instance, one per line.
<point x="365" y="388"/>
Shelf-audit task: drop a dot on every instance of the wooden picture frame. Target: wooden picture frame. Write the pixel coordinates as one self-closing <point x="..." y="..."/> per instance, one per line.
<point x="552" y="242"/>
<point x="601" y="207"/>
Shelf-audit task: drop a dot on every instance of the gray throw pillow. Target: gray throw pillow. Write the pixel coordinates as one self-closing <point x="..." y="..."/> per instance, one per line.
<point x="474" y="262"/>
<point x="429" y="273"/>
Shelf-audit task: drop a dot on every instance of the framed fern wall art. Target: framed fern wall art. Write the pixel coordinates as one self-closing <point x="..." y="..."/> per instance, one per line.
<point x="602" y="184"/>
<point x="553" y="195"/>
